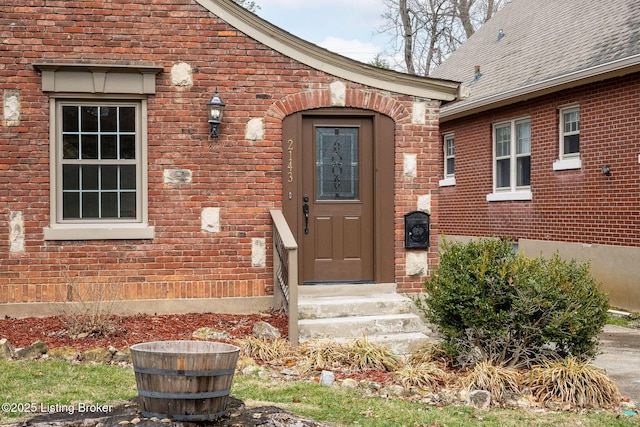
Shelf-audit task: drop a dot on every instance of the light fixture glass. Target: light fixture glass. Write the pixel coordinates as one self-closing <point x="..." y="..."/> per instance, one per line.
<point x="215" y="110"/>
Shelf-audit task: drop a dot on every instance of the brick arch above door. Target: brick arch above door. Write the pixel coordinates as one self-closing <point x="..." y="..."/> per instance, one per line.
<point x="366" y="99"/>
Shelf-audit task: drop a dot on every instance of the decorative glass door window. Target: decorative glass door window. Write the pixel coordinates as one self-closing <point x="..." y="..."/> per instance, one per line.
<point x="337" y="171"/>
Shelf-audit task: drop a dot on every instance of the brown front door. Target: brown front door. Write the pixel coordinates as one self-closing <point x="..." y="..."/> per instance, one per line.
<point x="337" y="200"/>
<point x="342" y="160"/>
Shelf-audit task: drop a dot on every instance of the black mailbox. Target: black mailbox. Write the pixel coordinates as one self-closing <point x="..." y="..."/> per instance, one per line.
<point x="416" y="230"/>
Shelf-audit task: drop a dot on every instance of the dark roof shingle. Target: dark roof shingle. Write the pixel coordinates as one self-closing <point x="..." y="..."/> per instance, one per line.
<point x="543" y="40"/>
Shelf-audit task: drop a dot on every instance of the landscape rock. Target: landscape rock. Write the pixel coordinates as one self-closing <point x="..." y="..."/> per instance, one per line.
<point x="553" y="405"/>
<point x="65" y="353"/>
<point x="480" y="399"/>
<point x="516" y="401"/>
<point x="6" y="349"/>
<point x="395" y="390"/>
<point x="32" y="352"/>
<point x="210" y="334"/>
<point x="448" y="397"/>
<point x="327" y="378"/>
<point x="244" y="362"/>
<point x="123" y="356"/>
<point x="374" y="386"/>
<point x="264" y="330"/>
<point x="287" y="372"/>
<point x="98" y="355"/>
<point x="250" y="369"/>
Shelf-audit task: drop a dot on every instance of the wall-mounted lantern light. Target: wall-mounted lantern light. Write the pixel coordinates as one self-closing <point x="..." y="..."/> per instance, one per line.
<point x="215" y="110"/>
<point x="606" y="170"/>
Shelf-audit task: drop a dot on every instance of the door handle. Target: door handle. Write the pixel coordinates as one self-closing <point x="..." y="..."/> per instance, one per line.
<point x="305" y="211"/>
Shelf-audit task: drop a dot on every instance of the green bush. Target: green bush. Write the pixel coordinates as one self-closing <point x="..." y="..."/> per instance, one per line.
<point x="493" y="304"/>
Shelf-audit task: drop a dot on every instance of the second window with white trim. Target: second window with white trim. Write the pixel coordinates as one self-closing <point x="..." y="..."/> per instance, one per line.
<point x="512" y="155"/>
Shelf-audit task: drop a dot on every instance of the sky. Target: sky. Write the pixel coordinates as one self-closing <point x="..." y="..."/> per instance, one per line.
<point x="348" y="27"/>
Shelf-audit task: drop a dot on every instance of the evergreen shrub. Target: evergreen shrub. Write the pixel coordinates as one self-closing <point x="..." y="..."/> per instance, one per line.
<point x="492" y="303"/>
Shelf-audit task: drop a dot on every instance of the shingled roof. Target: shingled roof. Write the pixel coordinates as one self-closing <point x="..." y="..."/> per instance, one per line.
<point x="535" y="47"/>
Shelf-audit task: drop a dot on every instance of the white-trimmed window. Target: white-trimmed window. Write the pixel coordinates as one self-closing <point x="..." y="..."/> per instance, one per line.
<point x="512" y="161"/>
<point x="569" y="127"/>
<point x="98" y="151"/>
<point x="449" y="161"/>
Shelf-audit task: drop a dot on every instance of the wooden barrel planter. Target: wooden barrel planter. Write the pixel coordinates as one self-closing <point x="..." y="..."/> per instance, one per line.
<point x="184" y="380"/>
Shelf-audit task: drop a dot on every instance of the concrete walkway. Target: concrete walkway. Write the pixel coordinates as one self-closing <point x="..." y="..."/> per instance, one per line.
<point x="620" y="357"/>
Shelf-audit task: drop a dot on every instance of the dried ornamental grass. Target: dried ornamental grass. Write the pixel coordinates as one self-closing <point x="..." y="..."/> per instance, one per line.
<point x="320" y="354"/>
<point x="425" y="376"/>
<point x="363" y="355"/>
<point x="497" y="380"/>
<point x="430" y="352"/>
<point x="574" y="382"/>
<point x="273" y="351"/>
<point x="359" y="354"/>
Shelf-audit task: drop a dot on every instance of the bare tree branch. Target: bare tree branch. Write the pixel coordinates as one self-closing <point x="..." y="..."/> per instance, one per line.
<point x="408" y="36"/>
<point x="426" y="31"/>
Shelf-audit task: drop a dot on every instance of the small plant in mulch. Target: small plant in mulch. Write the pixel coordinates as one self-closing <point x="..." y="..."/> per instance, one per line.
<point x="573" y="382"/>
<point x="89" y="307"/>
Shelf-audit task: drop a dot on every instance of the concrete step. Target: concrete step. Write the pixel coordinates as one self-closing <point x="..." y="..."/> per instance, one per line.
<point x="358" y="326"/>
<point x="402" y="343"/>
<point x="342" y="312"/>
<point x="347" y="306"/>
<point x="346" y="289"/>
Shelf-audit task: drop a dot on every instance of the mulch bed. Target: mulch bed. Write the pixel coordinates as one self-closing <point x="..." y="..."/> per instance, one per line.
<point x="131" y="330"/>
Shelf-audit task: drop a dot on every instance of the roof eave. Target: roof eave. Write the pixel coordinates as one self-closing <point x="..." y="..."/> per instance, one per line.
<point x="329" y="62"/>
<point x="609" y="70"/>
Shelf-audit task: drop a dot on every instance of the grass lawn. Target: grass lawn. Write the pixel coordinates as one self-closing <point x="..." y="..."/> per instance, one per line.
<point x="632" y="321"/>
<point x="28" y="385"/>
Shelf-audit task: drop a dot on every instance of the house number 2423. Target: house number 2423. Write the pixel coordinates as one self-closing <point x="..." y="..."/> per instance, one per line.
<point x="290" y="162"/>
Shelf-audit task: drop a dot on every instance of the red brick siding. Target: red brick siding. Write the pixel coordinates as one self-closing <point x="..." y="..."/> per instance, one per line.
<point x="241" y="177"/>
<point x="574" y="205"/>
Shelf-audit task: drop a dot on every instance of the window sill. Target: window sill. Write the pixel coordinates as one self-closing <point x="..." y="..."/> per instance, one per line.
<point x="509" y="195"/>
<point x="567" y="164"/>
<point x="447" y="182"/>
<point x="99" y="232"/>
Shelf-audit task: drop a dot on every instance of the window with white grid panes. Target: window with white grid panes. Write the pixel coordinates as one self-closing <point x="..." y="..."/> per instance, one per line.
<point x="449" y="156"/>
<point x="512" y="155"/>
<point x="569" y="132"/>
<point x="99" y="165"/>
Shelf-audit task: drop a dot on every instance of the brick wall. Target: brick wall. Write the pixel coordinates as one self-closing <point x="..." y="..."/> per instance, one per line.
<point x="580" y="205"/>
<point x="241" y="177"/>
